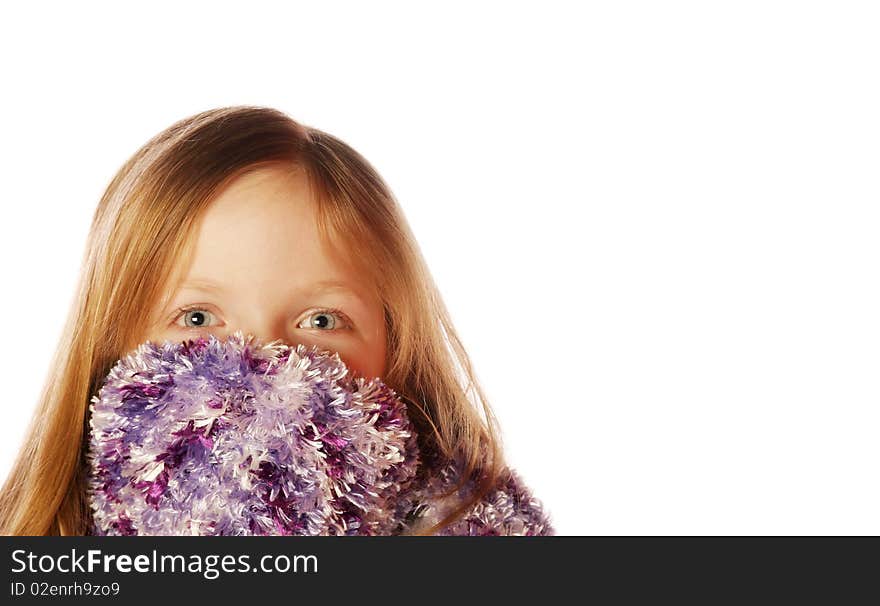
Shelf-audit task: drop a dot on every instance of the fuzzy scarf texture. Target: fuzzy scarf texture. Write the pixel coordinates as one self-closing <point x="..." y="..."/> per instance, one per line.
<point x="237" y="437"/>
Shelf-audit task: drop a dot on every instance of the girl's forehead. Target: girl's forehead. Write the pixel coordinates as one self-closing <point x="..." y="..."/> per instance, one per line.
<point x="262" y="232"/>
<point x="264" y="199"/>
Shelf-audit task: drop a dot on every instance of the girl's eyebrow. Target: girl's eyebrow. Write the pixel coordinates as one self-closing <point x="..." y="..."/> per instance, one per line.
<point x="205" y="285"/>
<point x="317" y="287"/>
<point x="325" y="285"/>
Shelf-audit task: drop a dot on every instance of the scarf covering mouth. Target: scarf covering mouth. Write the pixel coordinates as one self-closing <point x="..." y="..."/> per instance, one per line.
<point x="237" y="437"/>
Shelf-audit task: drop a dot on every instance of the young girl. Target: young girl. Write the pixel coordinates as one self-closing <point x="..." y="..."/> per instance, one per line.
<point x="241" y="219"/>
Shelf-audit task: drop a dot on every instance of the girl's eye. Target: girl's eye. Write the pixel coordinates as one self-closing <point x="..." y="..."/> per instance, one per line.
<point x="326" y="319"/>
<point x="321" y="319"/>
<point x="194" y="317"/>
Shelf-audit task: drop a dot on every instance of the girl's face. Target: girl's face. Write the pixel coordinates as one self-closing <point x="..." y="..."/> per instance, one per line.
<point x="259" y="267"/>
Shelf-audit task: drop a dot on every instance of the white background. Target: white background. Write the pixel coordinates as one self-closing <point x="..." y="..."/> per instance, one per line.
<point x="655" y="224"/>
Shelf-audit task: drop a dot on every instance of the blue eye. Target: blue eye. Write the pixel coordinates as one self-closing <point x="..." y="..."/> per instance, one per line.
<point x="326" y="319"/>
<point x="198" y="317"/>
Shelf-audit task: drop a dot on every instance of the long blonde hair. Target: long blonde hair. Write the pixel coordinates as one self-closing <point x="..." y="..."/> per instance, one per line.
<point x="142" y="226"/>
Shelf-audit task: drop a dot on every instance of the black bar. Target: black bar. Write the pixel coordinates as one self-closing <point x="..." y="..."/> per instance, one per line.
<point x="408" y="569"/>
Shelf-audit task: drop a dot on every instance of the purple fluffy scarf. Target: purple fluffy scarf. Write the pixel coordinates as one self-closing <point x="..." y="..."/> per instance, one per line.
<point x="236" y="437"/>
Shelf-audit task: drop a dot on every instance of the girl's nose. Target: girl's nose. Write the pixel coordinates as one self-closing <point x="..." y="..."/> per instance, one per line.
<point x="268" y="330"/>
